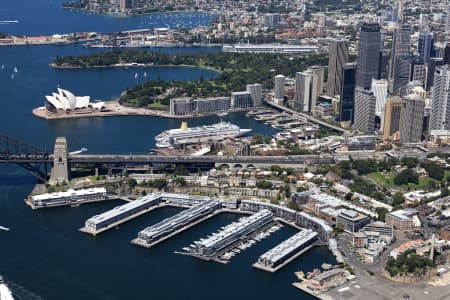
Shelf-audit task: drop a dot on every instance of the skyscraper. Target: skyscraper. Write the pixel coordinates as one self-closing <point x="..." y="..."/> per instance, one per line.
<point x="440" y="104"/>
<point x="279" y="87"/>
<point x="402" y="66"/>
<point x="411" y="121"/>
<point x="379" y="89"/>
<point x="364" y="110"/>
<point x="369" y="48"/>
<point x="400" y="54"/>
<point x="432" y="64"/>
<point x="392" y="116"/>
<point x="347" y="93"/>
<point x="256" y="91"/>
<point x="317" y="85"/>
<point x="303" y="91"/>
<point x="338" y="57"/>
<point x="418" y="71"/>
<point x="425" y="45"/>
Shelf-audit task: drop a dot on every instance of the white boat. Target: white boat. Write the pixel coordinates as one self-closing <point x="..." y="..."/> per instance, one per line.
<point x="4" y="228"/>
<point x="135" y="75"/>
<point x="12" y="76"/>
<point x="222" y="114"/>
<point x="15" y="70"/>
<point x="145" y="74"/>
<point x="3" y="67"/>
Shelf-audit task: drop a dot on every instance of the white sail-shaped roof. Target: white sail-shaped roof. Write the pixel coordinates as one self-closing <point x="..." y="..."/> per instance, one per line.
<point x="65" y="100"/>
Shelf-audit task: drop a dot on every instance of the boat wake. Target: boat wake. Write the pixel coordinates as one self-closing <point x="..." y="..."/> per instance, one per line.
<point x="5" y="293"/>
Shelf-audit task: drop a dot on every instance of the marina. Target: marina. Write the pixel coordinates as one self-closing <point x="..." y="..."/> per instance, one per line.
<point x="229" y="239"/>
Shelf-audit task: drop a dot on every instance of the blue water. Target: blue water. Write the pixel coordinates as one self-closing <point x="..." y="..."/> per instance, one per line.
<point x="44" y="256"/>
<point x="48" y="17"/>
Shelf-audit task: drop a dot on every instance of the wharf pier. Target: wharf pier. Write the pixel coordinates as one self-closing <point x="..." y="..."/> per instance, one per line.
<point x="156" y="233"/>
<point x="282" y="254"/>
<point x="140" y="242"/>
<point x="93" y="232"/>
<point x="260" y="266"/>
<point x="73" y="198"/>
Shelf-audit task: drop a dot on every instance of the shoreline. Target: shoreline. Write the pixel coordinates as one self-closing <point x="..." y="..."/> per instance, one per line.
<point x="130" y="65"/>
<point x="114" y="109"/>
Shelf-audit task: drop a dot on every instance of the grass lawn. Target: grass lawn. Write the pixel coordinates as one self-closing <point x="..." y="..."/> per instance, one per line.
<point x="157" y="105"/>
<point x="387" y="180"/>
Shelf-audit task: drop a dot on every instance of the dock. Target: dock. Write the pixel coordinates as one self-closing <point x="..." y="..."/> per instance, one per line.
<point x="138" y="242"/>
<point x="94" y="232"/>
<point x="156" y="233"/>
<point x="284" y="253"/>
<point x="304" y="287"/>
<point x="259" y="266"/>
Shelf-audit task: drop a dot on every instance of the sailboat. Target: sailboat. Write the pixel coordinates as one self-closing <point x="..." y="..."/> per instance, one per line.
<point x="15" y="70"/>
<point x="145" y="74"/>
<point x="3" y="67"/>
<point x="12" y="76"/>
<point x="136" y="76"/>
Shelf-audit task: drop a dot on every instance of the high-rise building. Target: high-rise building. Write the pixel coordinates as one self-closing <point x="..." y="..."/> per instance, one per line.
<point x="425" y="45"/>
<point x="401" y="41"/>
<point x="241" y="100"/>
<point x="317" y="85"/>
<point x="272" y="20"/>
<point x="440" y="104"/>
<point x="303" y="91"/>
<point x="402" y="66"/>
<point x="279" y="87"/>
<point x="126" y="4"/>
<point x="397" y="11"/>
<point x="380" y="91"/>
<point x="364" y="119"/>
<point x="411" y="120"/>
<point x="347" y="93"/>
<point x="256" y="91"/>
<point x="338" y="57"/>
<point x="383" y="68"/>
<point x="432" y="64"/>
<point x="392" y="116"/>
<point x="418" y="71"/>
<point x="369" y="48"/>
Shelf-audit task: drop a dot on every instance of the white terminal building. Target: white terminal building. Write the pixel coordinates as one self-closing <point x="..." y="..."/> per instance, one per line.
<point x="232" y="233"/>
<point x="281" y="252"/>
<point x="66" y="101"/>
<point x="71" y="197"/>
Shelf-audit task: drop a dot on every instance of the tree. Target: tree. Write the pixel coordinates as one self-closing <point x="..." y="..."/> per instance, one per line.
<point x="381" y="211"/>
<point x="180" y="181"/>
<point x="132" y="183"/>
<point x="348" y="196"/>
<point x="410" y="162"/>
<point x="434" y="171"/>
<point x="398" y="199"/>
<point x="405" y="177"/>
<point x="264" y="184"/>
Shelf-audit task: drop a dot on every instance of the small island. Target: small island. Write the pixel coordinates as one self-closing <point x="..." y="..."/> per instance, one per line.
<point x="235" y="71"/>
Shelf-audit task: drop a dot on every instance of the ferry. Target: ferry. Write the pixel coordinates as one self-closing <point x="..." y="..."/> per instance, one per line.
<point x="186" y="135"/>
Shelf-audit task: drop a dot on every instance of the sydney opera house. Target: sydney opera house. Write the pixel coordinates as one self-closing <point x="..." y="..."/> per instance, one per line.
<point x="68" y="102"/>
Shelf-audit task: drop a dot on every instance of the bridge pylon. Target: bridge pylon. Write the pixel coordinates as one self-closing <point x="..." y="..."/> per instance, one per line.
<point x="60" y="171"/>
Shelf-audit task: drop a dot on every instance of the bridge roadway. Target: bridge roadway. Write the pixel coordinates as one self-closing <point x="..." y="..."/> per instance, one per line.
<point x="212" y="159"/>
<point x="308" y="117"/>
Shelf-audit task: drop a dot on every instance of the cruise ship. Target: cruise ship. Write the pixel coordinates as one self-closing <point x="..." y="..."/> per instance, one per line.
<point x="186" y="135"/>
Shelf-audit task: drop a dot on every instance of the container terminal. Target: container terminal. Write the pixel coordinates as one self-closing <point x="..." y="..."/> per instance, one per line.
<point x="210" y="248"/>
<point x="71" y="197"/>
<point x="165" y="229"/>
<point x="282" y="254"/>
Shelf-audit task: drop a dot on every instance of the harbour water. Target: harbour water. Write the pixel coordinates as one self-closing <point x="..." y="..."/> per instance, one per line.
<point x="43" y="256"/>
